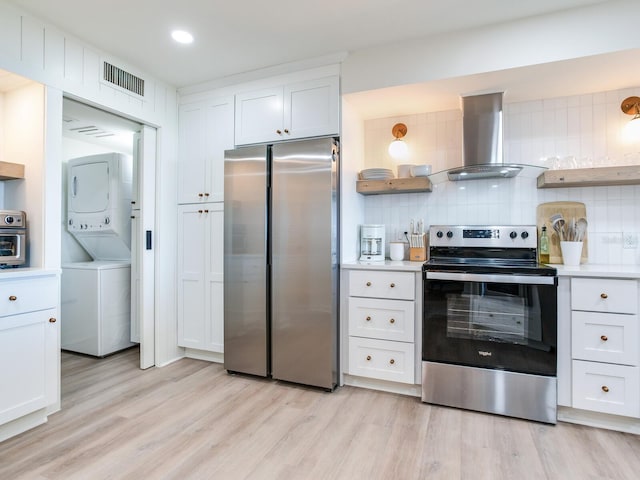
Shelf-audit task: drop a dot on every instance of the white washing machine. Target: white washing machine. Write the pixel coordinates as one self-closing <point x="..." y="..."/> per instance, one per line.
<point x="96" y="307"/>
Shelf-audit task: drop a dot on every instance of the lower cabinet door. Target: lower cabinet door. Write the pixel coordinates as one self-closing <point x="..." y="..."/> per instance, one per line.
<point x="22" y="364"/>
<point x="381" y="359"/>
<point x="606" y="388"/>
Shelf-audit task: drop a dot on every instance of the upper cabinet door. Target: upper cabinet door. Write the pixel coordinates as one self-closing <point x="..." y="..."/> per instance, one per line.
<point x="259" y="116"/>
<point x="206" y="131"/>
<point x="311" y="108"/>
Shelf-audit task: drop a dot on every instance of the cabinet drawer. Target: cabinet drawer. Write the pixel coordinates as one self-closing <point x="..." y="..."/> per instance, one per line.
<point x="383" y="319"/>
<point x="28" y="295"/>
<point x="381" y="359"/>
<point x="604" y="295"/>
<point x="605" y="337"/>
<point x="366" y="283"/>
<point x="606" y="388"/>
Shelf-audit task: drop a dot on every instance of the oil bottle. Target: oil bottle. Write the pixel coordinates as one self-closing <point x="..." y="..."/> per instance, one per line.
<point x="543" y="249"/>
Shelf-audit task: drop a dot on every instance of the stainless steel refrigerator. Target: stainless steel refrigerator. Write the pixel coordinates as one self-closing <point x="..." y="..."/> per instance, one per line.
<point x="281" y="261"/>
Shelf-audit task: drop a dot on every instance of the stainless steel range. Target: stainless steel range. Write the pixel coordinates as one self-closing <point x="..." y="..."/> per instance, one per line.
<point x="489" y="322"/>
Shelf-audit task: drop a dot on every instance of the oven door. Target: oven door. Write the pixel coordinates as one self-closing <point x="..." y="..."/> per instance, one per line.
<point x="11" y="247"/>
<point x="505" y="322"/>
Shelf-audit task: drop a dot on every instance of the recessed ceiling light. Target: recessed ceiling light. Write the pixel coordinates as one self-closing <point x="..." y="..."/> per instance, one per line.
<point x="181" y="36"/>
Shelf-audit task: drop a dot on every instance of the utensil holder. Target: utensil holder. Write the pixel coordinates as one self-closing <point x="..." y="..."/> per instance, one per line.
<point x="571" y="253"/>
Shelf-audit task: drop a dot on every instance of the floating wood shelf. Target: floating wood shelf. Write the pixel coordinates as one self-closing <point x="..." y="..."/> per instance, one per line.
<point x="396" y="185"/>
<point x="11" y="171"/>
<point x="589" y="177"/>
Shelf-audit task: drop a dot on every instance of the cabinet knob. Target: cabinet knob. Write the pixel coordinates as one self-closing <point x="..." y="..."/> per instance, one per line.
<point x="605" y="389"/>
<point x="392" y="361"/>
<point x="368" y="319"/>
<point x="279" y="132"/>
<point x="393" y="320"/>
<point x="368" y="284"/>
<point x="13" y="298"/>
<point x="604" y="295"/>
<point x="286" y="130"/>
<point x="201" y="195"/>
<point x="206" y="211"/>
<point x="604" y="338"/>
<point x="199" y="211"/>
<point x="52" y="320"/>
<point x="368" y="357"/>
<point x="392" y="285"/>
<point x="206" y="194"/>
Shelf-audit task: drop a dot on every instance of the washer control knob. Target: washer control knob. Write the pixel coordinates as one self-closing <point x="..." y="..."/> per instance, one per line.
<point x="513" y="235"/>
<point x="524" y="235"/>
<point x="449" y="234"/>
<point x="439" y="234"/>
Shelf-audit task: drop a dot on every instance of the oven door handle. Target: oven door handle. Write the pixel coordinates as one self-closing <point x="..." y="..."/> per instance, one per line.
<point x="489" y="278"/>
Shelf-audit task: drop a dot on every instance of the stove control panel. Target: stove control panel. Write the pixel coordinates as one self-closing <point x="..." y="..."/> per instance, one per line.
<point x="506" y="236"/>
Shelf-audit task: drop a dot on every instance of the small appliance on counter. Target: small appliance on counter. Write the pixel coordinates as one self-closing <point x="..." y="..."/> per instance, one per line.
<point x="372" y="243"/>
<point x="13" y="238"/>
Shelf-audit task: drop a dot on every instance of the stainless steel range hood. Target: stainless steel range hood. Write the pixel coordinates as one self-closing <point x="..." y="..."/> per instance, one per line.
<point x="482" y="140"/>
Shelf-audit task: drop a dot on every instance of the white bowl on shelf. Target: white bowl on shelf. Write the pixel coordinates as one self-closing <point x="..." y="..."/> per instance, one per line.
<point x="420" y="170"/>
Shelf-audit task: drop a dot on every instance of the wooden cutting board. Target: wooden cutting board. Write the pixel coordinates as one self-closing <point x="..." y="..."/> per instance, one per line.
<point x="567" y="210"/>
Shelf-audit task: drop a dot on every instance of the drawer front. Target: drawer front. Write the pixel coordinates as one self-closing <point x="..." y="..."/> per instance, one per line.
<point x="376" y="284"/>
<point x="605" y="337"/>
<point x="606" y="388"/>
<point x="383" y="319"/>
<point x="28" y="295"/>
<point x="604" y="295"/>
<point x="384" y="360"/>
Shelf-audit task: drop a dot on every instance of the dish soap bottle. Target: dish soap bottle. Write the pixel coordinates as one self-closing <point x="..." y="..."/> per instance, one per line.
<point x="543" y="249"/>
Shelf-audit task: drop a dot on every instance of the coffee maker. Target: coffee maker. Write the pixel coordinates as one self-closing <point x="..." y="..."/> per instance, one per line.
<point x="372" y="243"/>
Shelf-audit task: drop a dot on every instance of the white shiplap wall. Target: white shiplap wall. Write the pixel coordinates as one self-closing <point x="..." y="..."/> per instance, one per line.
<point x="70" y="66"/>
<point x="587" y="127"/>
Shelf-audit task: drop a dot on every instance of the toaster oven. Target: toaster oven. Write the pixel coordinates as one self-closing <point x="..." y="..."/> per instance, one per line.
<point x="13" y="238"/>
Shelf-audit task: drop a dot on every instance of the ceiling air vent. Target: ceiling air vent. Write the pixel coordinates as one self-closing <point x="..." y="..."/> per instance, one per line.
<point x="123" y="79"/>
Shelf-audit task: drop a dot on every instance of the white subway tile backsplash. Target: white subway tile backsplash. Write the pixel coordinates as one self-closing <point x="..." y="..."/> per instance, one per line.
<point x="586" y="127"/>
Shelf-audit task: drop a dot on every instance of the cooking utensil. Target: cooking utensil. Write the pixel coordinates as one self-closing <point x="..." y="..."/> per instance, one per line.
<point x="558" y="223"/>
<point x="581" y="229"/>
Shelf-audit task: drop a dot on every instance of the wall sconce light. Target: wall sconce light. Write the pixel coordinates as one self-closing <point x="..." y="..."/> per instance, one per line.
<point x="398" y="148"/>
<point x="631" y="106"/>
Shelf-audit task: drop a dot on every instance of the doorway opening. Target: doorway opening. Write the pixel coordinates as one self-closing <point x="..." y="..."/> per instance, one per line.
<point x="106" y="270"/>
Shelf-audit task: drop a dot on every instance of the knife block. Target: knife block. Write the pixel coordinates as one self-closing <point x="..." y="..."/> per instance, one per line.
<point x="419" y="254"/>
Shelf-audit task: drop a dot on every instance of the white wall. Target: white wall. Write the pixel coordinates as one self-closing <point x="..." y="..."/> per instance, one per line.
<point x="38" y="51"/>
<point x="587" y="127"/>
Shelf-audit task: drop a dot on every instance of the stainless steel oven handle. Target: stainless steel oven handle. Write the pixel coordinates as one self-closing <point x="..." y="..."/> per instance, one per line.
<point x="489" y="278"/>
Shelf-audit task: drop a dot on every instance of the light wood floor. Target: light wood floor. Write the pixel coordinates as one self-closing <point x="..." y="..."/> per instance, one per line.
<point x="191" y="420"/>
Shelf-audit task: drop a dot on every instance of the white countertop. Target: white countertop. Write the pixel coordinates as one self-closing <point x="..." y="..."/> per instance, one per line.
<point x="405" y="266"/>
<point x="586" y="270"/>
<point x="592" y="270"/>
<point x="26" y="272"/>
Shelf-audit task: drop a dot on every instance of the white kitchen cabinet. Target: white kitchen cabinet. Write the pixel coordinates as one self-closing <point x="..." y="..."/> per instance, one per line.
<point x="205" y="132"/>
<point x="200" y="276"/>
<point x="605" y="346"/>
<point x="381" y="325"/>
<point x="297" y="110"/>
<point x="29" y="346"/>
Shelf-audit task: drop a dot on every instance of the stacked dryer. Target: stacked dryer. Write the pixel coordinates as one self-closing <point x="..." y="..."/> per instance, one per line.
<point x="96" y="295"/>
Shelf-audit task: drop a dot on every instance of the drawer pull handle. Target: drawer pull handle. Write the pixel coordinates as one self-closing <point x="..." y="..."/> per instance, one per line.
<point x="279" y="132"/>
<point x="368" y="284"/>
<point x="368" y="319"/>
<point x="392" y="285"/>
<point x="604" y="338"/>
<point x="392" y="361"/>
<point x="393" y="320"/>
<point x="368" y="357"/>
<point x="605" y="389"/>
<point x="52" y="320"/>
<point x="604" y="296"/>
<point x="13" y="298"/>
